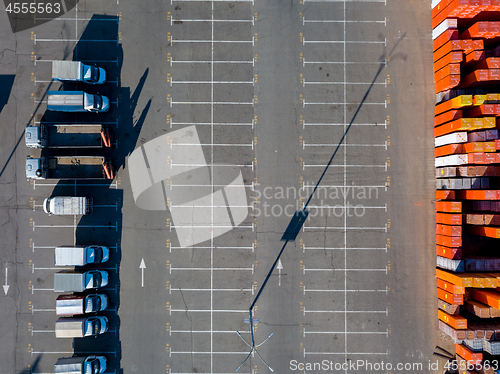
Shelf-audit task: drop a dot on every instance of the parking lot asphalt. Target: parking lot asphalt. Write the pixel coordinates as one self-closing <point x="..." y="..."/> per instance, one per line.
<point x="271" y="88"/>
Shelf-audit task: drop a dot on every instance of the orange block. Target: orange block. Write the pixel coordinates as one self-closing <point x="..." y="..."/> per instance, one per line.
<point x="457" y="322"/>
<point x="451" y="58"/>
<point x="450" y="297"/>
<point x="478" y="195"/>
<point x="449" y="230"/>
<point x="488" y="231"/>
<point x="447" y="117"/>
<point x="450" y="69"/>
<point x="450" y="46"/>
<point x="449" y="149"/>
<point x="451" y="34"/>
<point x="478" y="147"/>
<point x="450" y="287"/>
<point x="455" y="103"/>
<point x="460" y="279"/>
<point x="468" y="354"/>
<point x="449" y="206"/>
<point x="449" y="241"/>
<point x="473" y="57"/>
<point x="449" y="219"/>
<point x="451" y="253"/>
<point x="488" y="297"/>
<point x="447" y="83"/>
<point x="445" y="195"/>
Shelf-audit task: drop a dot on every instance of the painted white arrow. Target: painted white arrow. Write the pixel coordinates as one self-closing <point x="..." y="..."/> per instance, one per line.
<point x="279" y="267"/>
<point x="142" y="266"/>
<point x="6" y="286"/>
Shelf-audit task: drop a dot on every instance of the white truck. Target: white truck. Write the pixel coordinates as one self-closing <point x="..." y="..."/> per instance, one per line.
<point x="80" y="304"/>
<point x="81" y="365"/>
<point x="68" y="281"/>
<point x="76" y="101"/>
<point x="80" y="255"/>
<point x="67" y="136"/>
<point x="76" y="71"/>
<point x="80" y="327"/>
<point x="68" y="205"/>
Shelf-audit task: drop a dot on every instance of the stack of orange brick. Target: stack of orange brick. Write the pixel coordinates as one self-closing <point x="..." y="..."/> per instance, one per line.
<point x="466" y="44"/>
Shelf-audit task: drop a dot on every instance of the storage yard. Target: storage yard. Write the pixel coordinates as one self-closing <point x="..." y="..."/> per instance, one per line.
<point x="467" y="85"/>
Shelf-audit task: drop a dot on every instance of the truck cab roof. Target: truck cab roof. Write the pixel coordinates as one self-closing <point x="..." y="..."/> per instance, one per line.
<point x="33" y="136"/>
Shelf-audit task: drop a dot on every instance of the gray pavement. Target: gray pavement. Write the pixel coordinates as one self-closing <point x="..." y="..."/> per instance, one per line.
<point x="271" y="87"/>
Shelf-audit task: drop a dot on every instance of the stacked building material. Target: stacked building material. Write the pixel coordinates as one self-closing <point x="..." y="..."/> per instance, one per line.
<point x="466" y="55"/>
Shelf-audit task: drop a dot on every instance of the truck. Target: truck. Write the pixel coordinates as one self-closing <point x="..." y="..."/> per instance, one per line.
<point x="76" y="71"/>
<point x="76" y="101"/>
<point x="69" y="167"/>
<point x="81" y="365"/>
<point x="68" y="205"/>
<point x="67" y="136"/>
<point x="80" y="304"/>
<point x="80" y="327"/>
<point x="80" y="255"/>
<point x="69" y="281"/>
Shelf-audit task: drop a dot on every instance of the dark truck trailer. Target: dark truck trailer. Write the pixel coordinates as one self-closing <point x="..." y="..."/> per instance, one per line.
<point x="81" y="365"/>
<point x="67" y="136"/>
<point x="69" y="167"/>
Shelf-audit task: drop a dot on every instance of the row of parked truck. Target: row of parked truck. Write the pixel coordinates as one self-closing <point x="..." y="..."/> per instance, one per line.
<point x="77" y="312"/>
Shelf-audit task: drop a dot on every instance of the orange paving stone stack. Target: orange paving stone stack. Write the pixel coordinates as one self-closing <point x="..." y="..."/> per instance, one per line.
<point x="466" y="54"/>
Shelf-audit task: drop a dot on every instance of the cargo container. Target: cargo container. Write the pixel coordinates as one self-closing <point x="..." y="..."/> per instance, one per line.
<point x="68" y="205"/>
<point x="76" y="101"/>
<point x="80" y="255"/>
<point x="68" y="281"/>
<point x="80" y="304"/>
<point x="69" y="167"/>
<point x="80" y="327"/>
<point x="76" y="71"/>
<point x="81" y="365"/>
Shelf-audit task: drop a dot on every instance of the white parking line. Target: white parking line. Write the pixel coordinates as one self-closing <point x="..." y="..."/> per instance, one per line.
<point x="304" y="248"/>
<point x="172" y="20"/>
<point x="210" y="226"/>
<point x="50" y="184"/>
<point x="304" y="82"/>
<point x="33" y="289"/>
<point x="215" y="145"/>
<point x="73" y="226"/>
<point x="304" y="21"/>
<point x="304" y="103"/>
<point x="208" y="331"/>
<point x="212" y="1"/>
<point x="347" y="353"/>
<point x="211" y="103"/>
<point x="35" y="39"/>
<point x="304" y="145"/>
<point x="347" y="166"/>
<point x="212" y="289"/>
<point x="386" y="312"/>
<point x="342" y="1"/>
<point x="209" y="124"/>
<point x="214" y="41"/>
<point x="345" y="270"/>
<point x="74" y="352"/>
<point x="207" y="353"/>
<point x="172" y="61"/>
<point x="304" y="41"/>
<point x="210" y="311"/>
<point x="386" y="333"/>
<point x="212" y="269"/>
<point x="33" y="310"/>
<point x="382" y="124"/>
<point x="84" y="61"/>
<point x="306" y="290"/>
<point x="344" y="228"/>
<point x="211" y="82"/>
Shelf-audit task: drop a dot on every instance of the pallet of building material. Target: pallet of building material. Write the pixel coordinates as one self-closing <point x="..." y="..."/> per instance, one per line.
<point x="478" y="171"/>
<point x="453" y="138"/>
<point x="449" y="218"/>
<point x="449" y="149"/>
<point x="448" y="308"/>
<point x="483" y="30"/>
<point x="458" y="102"/>
<point x="450" y="46"/>
<point x="487" y="98"/>
<point x="445" y="195"/>
<point x="449" y="206"/>
<point x="468" y="354"/>
<point x="450" y="287"/>
<point x="446" y="24"/>
<point x="490" y="232"/>
<point x="482" y="264"/>
<point x="477" y="77"/>
<point x="483" y="219"/>
<point x="450" y="34"/>
<point x="449" y="241"/>
<point x="478" y="147"/>
<point x="459" y="279"/>
<point x="449" y="252"/>
<point x="451" y="298"/>
<point x="483" y="280"/>
<point x="453" y="265"/>
<point x="477" y="308"/>
<point x="489" y="63"/>
<point x="483" y="135"/>
<point x="450" y="69"/>
<point x="447" y="172"/>
<point x="453" y="333"/>
<point x="475" y="345"/>
<point x="479" y="195"/>
<point x="456" y="321"/>
<point x="492" y="347"/>
<point x="452" y="160"/>
<point x="491" y="206"/>
<point x="467" y="124"/>
<point x="449" y="230"/>
<point x="488" y="297"/>
<point x="481" y="158"/>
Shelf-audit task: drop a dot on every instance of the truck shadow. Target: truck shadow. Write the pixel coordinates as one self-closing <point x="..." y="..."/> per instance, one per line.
<point x="6" y="83"/>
